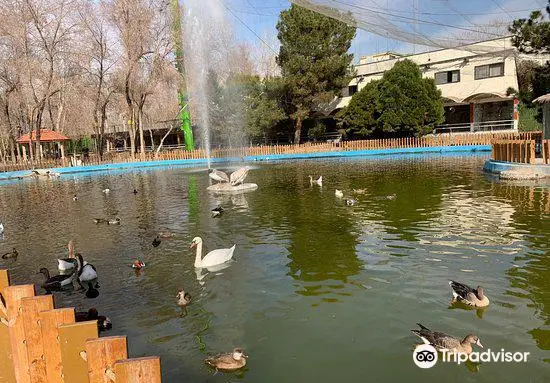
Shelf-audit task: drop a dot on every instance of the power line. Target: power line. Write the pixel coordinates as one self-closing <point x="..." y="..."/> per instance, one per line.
<point x="250" y="29"/>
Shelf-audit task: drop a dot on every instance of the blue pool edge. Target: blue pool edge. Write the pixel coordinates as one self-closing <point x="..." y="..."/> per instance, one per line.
<point x="272" y="157"/>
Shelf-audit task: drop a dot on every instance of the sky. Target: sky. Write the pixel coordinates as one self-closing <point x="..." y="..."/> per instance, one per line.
<point x="255" y="20"/>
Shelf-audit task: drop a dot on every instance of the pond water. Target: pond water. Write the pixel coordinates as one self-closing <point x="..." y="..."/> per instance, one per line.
<point x="319" y="291"/>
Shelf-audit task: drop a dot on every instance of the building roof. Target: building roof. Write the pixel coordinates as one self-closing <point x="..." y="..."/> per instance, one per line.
<point x="46" y="135"/>
<point x="543" y="99"/>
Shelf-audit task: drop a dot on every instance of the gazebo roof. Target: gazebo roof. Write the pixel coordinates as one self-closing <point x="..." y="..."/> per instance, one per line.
<point x="46" y="135"/>
<point x="543" y="99"/>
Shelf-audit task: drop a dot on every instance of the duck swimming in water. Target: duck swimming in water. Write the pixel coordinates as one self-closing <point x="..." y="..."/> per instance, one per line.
<point x="217" y="211"/>
<point x="229" y="361"/>
<point x="114" y="221"/>
<point x="465" y="294"/>
<point x="138" y="265"/>
<point x="183" y="298"/>
<point x="11" y="255"/>
<point x="86" y="272"/>
<point x="103" y="322"/>
<point x="57" y="281"/>
<point x="156" y="241"/>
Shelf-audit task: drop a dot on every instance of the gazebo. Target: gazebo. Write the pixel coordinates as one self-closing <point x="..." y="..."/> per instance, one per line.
<point x="545" y="104"/>
<point x="48" y="137"/>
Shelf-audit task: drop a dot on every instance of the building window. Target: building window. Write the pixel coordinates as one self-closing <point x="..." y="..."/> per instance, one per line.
<point x="447" y="77"/>
<point x="352" y="89"/>
<point x="488" y="71"/>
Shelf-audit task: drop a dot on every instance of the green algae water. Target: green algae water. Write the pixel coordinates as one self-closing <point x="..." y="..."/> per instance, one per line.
<point x="319" y="291"/>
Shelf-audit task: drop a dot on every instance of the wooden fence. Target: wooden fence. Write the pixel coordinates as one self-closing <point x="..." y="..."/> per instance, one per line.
<point x="522" y="151"/>
<point x="389" y="143"/>
<point x="41" y="344"/>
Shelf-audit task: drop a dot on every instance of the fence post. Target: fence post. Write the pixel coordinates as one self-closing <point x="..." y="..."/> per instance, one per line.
<point x="138" y="370"/>
<point x="49" y="323"/>
<point x="72" y="339"/>
<point x="13" y="296"/>
<point x="532" y="157"/>
<point x="101" y="354"/>
<point x="7" y="373"/>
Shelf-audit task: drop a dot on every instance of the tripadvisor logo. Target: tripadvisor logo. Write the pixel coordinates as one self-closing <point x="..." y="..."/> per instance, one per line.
<point x="426" y="356"/>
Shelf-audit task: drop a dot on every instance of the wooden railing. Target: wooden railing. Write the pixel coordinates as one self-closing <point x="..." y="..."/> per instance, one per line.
<point x="267" y="150"/>
<point x="41" y="344"/>
<point x="521" y="151"/>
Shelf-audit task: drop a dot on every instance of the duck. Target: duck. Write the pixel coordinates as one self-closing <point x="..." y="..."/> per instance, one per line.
<point x="75" y="198"/>
<point x="156" y="241"/>
<point x="359" y="191"/>
<point x="138" y="265"/>
<point x="351" y="201"/>
<point x="218" y="175"/>
<point x="86" y="272"/>
<point x="318" y="181"/>
<point x="442" y="341"/>
<point x="183" y="298"/>
<point x="229" y="361"/>
<point x="213" y="258"/>
<point x="165" y="234"/>
<point x="217" y="211"/>
<point x="57" y="281"/>
<point x="106" y="191"/>
<point x="114" y="221"/>
<point x="465" y="294"/>
<point x="103" y="322"/>
<point x="11" y="255"/>
<point x="92" y="292"/>
<point x="1" y="228"/>
<point x="339" y="193"/>
<point x="100" y="220"/>
<point x="135" y="191"/>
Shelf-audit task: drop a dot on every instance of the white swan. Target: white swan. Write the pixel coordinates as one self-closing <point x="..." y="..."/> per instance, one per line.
<point x="215" y="257"/>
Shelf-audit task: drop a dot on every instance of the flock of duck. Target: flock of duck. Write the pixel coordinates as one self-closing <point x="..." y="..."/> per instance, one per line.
<point x="75" y="270"/>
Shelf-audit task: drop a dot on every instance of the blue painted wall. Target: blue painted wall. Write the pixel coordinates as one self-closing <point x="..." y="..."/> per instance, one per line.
<point x="202" y="161"/>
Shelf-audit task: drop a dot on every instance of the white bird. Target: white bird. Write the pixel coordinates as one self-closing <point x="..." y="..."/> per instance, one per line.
<point x="238" y="176"/>
<point x="69" y="263"/>
<point x="215" y="257"/>
<point x="318" y="181"/>
<point x="106" y="191"/>
<point x="86" y="272"/>
<point x="218" y="175"/>
<point x="350" y="201"/>
<point x="339" y="193"/>
<point x="1" y="228"/>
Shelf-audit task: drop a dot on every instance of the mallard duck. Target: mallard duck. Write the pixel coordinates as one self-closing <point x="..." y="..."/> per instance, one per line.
<point x="218" y="175"/>
<point x="156" y="241"/>
<point x="57" y="281"/>
<point x="465" y="294"/>
<point x="114" y="221"/>
<point x="339" y="193"/>
<point x="135" y="191"/>
<point x="318" y="181"/>
<point x="75" y="198"/>
<point x="11" y="255"/>
<point x="217" y="211"/>
<point x="103" y="322"/>
<point x="138" y="265"/>
<point x="213" y="258"/>
<point x="442" y="341"/>
<point x="92" y="292"/>
<point x="183" y="298"/>
<point x="229" y="361"/>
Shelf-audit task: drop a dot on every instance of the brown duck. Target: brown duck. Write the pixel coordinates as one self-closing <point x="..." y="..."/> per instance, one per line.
<point x="465" y="294"/>
<point x="442" y="341"/>
<point x="228" y="362"/>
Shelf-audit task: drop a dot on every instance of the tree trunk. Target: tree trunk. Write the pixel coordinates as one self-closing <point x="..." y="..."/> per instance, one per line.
<point x="141" y="137"/>
<point x="298" y="131"/>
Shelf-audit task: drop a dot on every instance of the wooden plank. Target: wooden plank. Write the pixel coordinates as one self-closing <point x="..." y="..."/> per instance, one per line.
<point x="101" y="354"/>
<point x="4" y="282"/>
<point x="7" y="373"/>
<point x="31" y="308"/>
<point x="49" y="321"/>
<point x="13" y="296"/>
<point x="138" y="370"/>
<point x="72" y="340"/>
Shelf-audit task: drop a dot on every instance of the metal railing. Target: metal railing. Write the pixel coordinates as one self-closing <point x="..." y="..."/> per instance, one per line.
<point x="484" y="126"/>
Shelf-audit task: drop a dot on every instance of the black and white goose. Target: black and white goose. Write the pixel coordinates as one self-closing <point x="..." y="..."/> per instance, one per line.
<point x="465" y="294"/>
<point x="86" y="272"/>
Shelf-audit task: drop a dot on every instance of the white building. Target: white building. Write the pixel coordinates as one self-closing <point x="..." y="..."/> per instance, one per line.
<point x="473" y="80"/>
